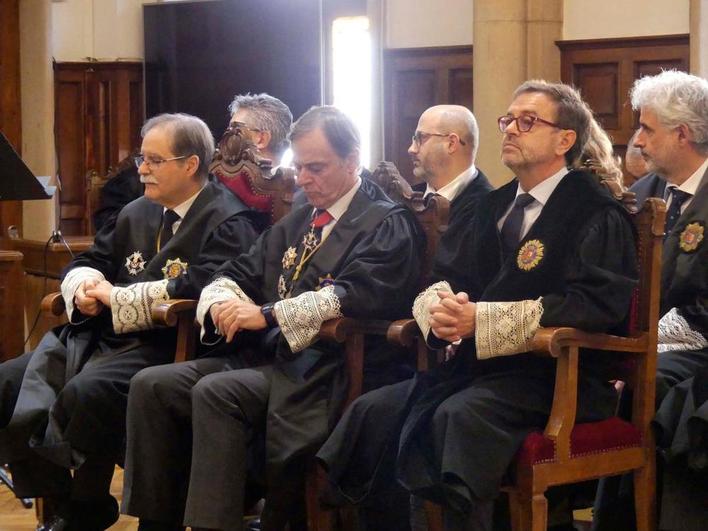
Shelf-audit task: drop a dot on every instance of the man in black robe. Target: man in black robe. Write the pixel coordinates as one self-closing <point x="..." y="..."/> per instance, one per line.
<point x="443" y="150"/>
<point x="350" y="251"/>
<point x="673" y="139"/>
<point x="69" y="412"/>
<point x="551" y="248"/>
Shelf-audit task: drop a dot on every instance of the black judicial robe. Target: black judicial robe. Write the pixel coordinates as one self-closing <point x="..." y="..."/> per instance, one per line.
<point x="64" y="428"/>
<point x="585" y="280"/>
<point x="373" y="257"/>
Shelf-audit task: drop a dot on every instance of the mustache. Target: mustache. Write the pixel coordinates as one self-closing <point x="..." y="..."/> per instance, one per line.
<point x="146" y="179"/>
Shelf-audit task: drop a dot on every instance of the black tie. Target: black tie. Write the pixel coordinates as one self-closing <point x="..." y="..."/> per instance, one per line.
<point x="678" y="198"/>
<point x="511" y="230"/>
<point x="168" y="219"/>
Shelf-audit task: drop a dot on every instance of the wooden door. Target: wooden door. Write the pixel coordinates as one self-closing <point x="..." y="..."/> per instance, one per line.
<point x="415" y="79"/>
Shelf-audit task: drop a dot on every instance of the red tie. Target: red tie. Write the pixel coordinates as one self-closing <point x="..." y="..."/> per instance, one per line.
<point x="322" y="217"/>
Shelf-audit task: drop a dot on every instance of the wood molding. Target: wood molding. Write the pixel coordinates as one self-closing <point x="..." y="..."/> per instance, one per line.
<point x="624" y="42"/>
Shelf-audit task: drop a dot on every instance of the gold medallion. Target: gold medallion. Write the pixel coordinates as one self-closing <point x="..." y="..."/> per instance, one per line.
<point x="530" y="255"/>
<point x="174" y="268"/>
<point x="310" y="241"/>
<point x="691" y="237"/>
<point x="289" y="258"/>
<point x="135" y="263"/>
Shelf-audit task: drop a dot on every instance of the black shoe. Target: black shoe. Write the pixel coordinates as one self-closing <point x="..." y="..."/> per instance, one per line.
<point x="254" y="525"/>
<point x="92" y="515"/>
<point x="58" y="523"/>
<point x="152" y="525"/>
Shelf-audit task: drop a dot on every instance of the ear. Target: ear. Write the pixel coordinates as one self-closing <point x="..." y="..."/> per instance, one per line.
<point x="263" y="140"/>
<point x="192" y="164"/>
<point x="567" y="141"/>
<point x="684" y="134"/>
<point x="351" y="163"/>
<point x="454" y="143"/>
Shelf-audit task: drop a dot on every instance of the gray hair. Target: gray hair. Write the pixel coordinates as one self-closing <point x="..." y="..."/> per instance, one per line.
<point x="571" y="112"/>
<point x="599" y="156"/>
<point x="189" y="136"/>
<point x="269" y="114"/>
<point x="677" y="98"/>
<point x="338" y="128"/>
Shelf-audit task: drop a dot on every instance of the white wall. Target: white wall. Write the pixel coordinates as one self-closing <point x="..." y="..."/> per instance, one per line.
<point x="102" y="29"/>
<point x="598" y="19"/>
<point x="420" y="23"/>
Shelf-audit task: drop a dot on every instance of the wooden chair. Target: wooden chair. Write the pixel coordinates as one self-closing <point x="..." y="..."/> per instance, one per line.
<point x="432" y="215"/>
<point x="94" y="185"/>
<point x="566" y="452"/>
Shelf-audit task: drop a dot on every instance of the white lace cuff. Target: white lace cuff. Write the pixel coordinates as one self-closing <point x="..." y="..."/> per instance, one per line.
<point x="222" y="289"/>
<point x="423" y="302"/>
<point x="131" y="306"/>
<point x="676" y="334"/>
<point x="301" y="317"/>
<point x="505" y="328"/>
<point x="71" y="283"/>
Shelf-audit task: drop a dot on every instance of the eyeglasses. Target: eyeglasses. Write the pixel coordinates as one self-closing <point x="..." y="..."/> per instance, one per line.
<point x="524" y="123"/>
<point x="154" y="163"/>
<point x="242" y="125"/>
<point x="419" y="137"/>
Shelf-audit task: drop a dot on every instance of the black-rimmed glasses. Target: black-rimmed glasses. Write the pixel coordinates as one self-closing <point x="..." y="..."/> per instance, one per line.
<point x="419" y="137"/>
<point x="524" y="123"/>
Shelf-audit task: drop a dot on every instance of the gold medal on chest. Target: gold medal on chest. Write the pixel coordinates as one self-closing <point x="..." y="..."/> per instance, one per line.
<point x="174" y="268"/>
<point x="530" y="255"/>
<point x="135" y="263"/>
<point x="691" y="237"/>
<point x="310" y="241"/>
<point x="289" y="258"/>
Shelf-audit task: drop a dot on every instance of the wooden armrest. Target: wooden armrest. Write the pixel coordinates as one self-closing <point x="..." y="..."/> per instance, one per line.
<point x="168" y="313"/>
<point x="403" y="332"/>
<point x="53" y="304"/>
<point x="340" y="329"/>
<point x="553" y="339"/>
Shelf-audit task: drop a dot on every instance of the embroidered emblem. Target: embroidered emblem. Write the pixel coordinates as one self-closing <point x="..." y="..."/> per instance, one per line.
<point x="530" y="255"/>
<point x="135" y="263"/>
<point x="174" y="268"/>
<point x="325" y="281"/>
<point x="289" y="258"/>
<point x="310" y="240"/>
<point x="282" y="288"/>
<point x="691" y="237"/>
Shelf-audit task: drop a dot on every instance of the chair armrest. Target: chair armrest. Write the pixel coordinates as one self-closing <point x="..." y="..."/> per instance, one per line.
<point x="53" y="304"/>
<point x="341" y="329"/>
<point x="168" y="313"/>
<point x="403" y="332"/>
<point x="552" y="340"/>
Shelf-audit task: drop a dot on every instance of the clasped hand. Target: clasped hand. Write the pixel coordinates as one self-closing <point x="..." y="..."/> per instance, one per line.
<point x="231" y="316"/>
<point x="453" y="317"/>
<point x="92" y="295"/>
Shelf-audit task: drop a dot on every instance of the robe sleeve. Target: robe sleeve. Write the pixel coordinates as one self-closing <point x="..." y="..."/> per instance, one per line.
<point x="600" y="277"/>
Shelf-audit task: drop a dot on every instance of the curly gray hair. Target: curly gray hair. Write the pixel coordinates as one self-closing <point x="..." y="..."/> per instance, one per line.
<point x="676" y="98"/>
<point x="269" y="114"/>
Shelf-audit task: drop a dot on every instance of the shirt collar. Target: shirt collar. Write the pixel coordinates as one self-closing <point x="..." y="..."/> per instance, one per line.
<point x="182" y="209"/>
<point x="690" y="185"/>
<point x="341" y="205"/>
<point x="452" y="189"/>
<point x="543" y="190"/>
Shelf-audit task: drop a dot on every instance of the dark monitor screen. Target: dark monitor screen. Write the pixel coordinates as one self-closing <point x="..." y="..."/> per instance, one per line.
<point x="198" y="55"/>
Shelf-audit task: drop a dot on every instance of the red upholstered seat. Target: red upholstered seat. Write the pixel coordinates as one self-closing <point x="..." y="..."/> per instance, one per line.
<point x="241" y="185"/>
<point x="587" y="438"/>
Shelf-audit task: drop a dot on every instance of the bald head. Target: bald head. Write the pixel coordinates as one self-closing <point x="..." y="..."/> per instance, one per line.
<point x="445" y="144"/>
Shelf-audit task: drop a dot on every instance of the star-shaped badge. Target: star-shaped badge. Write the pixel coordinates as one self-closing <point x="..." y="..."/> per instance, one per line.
<point x="135" y="263"/>
<point x="289" y="258"/>
<point x="174" y="268"/>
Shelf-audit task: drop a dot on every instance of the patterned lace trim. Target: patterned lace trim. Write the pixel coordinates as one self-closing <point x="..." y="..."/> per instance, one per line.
<point x="676" y="334"/>
<point x="71" y="283"/>
<point x="423" y="302"/>
<point x="505" y="328"/>
<point x="132" y="305"/>
<point x="301" y="317"/>
<point x="220" y="290"/>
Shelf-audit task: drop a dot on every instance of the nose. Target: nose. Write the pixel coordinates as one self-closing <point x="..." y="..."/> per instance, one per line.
<point x="413" y="148"/>
<point x="512" y="128"/>
<point x="143" y="169"/>
<point x="639" y="139"/>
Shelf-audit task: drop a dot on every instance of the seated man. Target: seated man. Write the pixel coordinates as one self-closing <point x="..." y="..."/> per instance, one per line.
<point x="69" y="412"/>
<point x="551" y="248"/>
<point x="443" y="150"/>
<point x="673" y="139"/>
<point x="350" y="251"/>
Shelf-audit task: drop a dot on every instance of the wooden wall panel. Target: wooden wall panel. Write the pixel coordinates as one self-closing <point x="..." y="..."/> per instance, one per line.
<point x="99" y="111"/>
<point x="10" y="116"/>
<point x="415" y="79"/>
<point x="605" y="69"/>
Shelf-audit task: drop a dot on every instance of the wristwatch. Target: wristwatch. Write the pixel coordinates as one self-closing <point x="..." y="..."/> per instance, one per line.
<point x="267" y="311"/>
